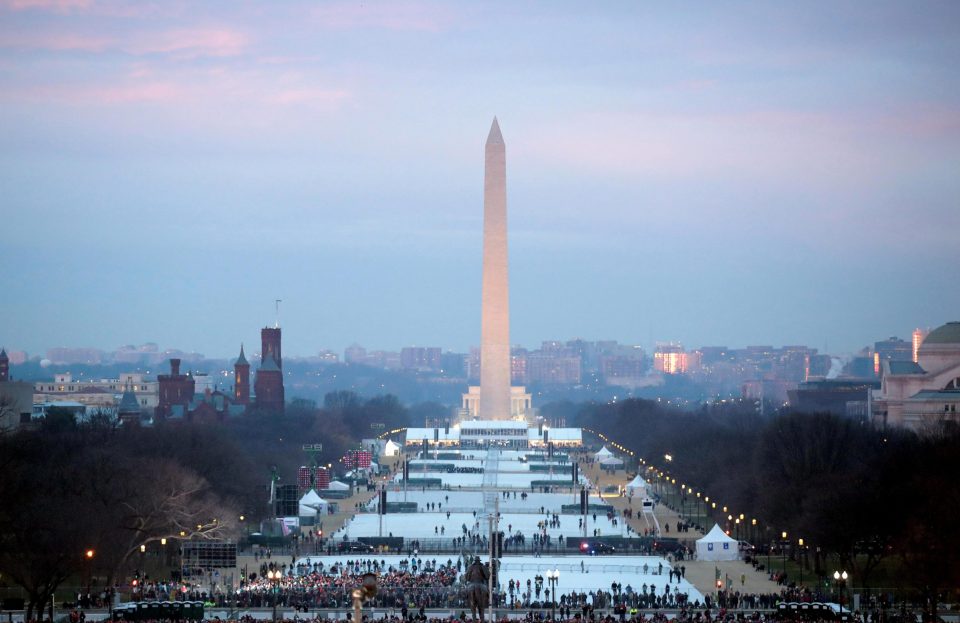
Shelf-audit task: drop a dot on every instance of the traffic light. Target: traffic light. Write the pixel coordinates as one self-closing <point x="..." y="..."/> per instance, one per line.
<point x="584" y="501"/>
<point x="383" y="501"/>
<point x="576" y="472"/>
<point x="406" y="469"/>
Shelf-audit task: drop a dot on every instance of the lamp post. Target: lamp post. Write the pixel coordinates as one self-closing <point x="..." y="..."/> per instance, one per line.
<point x="783" y="550"/>
<point x="800" y="559"/>
<point x="840" y="578"/>
<point x="88" y="556"/>
<point x="274" y="575"/>
<point x="143" y="571"/>
<point x="553" y="577"/>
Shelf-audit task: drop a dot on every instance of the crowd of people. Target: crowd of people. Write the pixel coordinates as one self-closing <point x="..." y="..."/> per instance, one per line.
<point x="317" y="586"/>
<point x="416" y="582"/>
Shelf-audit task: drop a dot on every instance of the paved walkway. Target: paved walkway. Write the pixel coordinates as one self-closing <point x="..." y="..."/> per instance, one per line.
<point x="701" y="574"/>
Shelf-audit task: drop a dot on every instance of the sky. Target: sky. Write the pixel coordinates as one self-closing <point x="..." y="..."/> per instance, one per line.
<point x="713" y="173"/>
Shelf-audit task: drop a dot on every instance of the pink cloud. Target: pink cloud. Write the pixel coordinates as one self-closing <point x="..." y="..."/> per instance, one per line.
<point x="103" y="95"/>
<point x="414" y="16"/>
<point x="183" y="44"/>
<point x="60" y="6"/>
<point x="59" y="42"/>
<point x="192" y="43"/>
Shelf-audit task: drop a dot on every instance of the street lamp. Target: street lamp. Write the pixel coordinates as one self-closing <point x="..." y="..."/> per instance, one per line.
<point x="800" y="559"/>
<point x="89" y="556"/>
<point x="783" y="550"/>
<point x="274" y="575"/>
<point x="553" y="577"/>
<point x="840" y="577"/>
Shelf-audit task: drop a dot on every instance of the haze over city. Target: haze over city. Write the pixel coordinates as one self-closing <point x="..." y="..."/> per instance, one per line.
<point x="721" y="174"/>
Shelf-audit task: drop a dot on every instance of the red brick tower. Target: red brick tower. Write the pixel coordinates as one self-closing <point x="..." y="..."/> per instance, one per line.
<point x="175" y="390"/>
<point x="268" y="385"/>
<point x="241" y="380"/>
<point x="270" y="341"/>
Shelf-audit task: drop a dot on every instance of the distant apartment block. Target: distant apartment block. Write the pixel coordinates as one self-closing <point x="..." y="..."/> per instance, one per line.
<point x="669" y="358"/>
<point x="421" y="358"/>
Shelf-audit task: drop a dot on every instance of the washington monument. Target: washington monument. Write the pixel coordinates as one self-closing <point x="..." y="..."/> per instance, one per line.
<point x="495" y="321"/>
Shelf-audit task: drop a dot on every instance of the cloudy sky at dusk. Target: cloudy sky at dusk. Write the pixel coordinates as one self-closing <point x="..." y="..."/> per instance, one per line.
<point x="710" y="173"/>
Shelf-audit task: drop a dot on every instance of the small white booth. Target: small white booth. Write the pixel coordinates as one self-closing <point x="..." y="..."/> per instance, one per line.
<point x="602" y="453"/>
<point x="717" y="546"/>
<point x="637" y="486"/>
<point x="312" y="506"/>
<point x="611" y="462"/>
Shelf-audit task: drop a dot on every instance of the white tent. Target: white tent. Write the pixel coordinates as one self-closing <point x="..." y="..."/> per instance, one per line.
<point x="336" y="485"/>
<point x="312" y="505"/>
<point x="716" y="545"/>
<point x="637" y="486"/>
<point x="391" y="448"/>
<point x="603" y="453"/>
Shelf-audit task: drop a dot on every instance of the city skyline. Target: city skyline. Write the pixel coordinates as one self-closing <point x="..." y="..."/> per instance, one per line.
<point x="764" y="175"/>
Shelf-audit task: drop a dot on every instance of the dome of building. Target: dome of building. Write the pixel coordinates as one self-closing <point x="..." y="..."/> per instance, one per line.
<point x="946" y="334"/>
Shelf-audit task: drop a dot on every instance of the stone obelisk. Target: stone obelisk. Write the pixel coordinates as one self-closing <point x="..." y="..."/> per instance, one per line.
<point x="495" y="321"/>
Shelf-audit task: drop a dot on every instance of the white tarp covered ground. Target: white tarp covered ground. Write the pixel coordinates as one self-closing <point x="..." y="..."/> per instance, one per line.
<point x="598" y="572"/>
<point x="504" y="480"/>
<point x="717" y="546"/>
<point x="336" y="485"/>
<point x="423" y="525"/>
<point x="466" y="501"/>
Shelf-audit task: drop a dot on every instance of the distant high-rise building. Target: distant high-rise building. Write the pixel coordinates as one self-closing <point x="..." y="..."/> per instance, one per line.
<point x="355" y="354"/>
<point x="669" y="358"/>
<point x="4" y="366"/>
<point x="553" y="369"/>
<point x="891" y="349"/>
<point x="420" y="358"/>
<point x="918" y="337"/>
<point x="241" y="380"/>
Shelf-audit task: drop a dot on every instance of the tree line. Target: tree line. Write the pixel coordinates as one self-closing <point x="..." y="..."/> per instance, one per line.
<point x="880" y="503"/>
<point x="70" y="488"/>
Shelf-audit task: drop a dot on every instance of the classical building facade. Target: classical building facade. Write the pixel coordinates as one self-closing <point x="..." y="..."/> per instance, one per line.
<point x="922" y="395"/>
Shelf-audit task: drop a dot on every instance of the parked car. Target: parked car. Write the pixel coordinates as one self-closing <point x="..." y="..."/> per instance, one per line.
<point x="353" y="546"/>
<point x="596" y="547"/>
